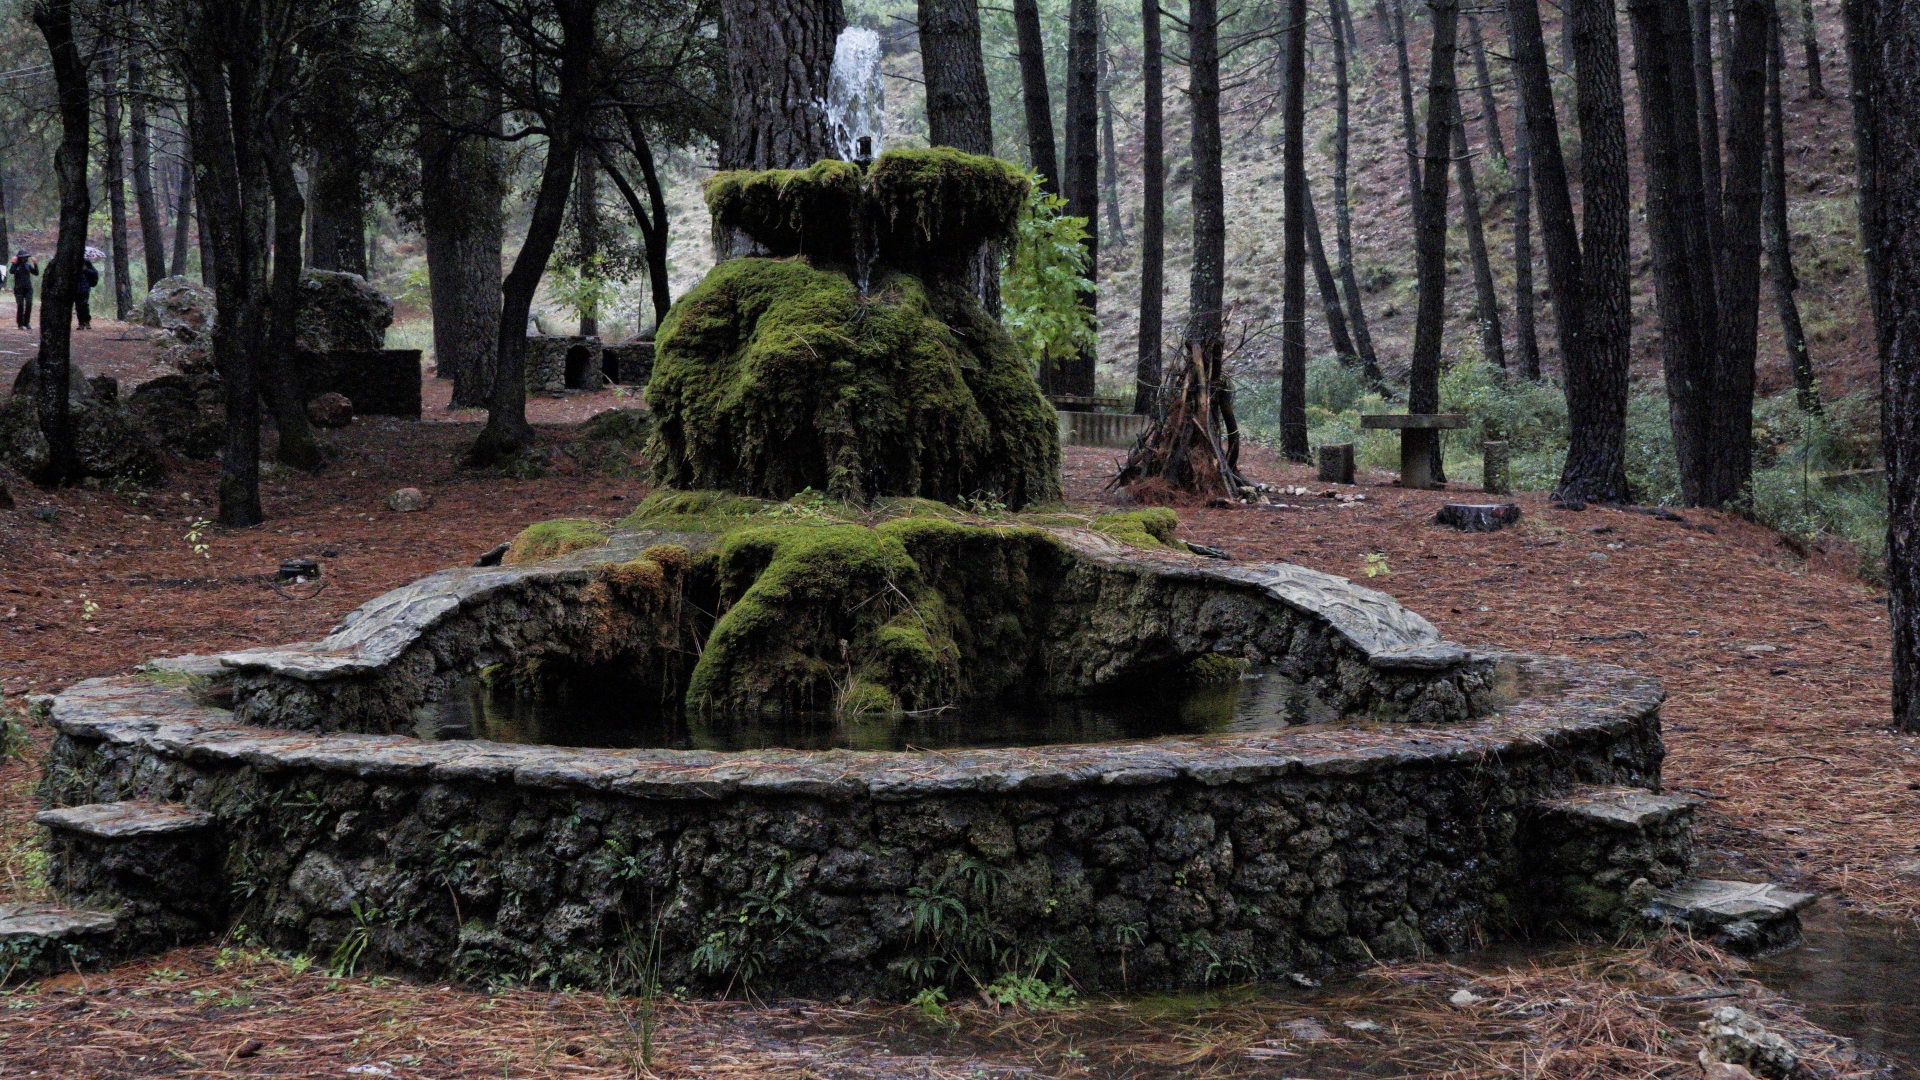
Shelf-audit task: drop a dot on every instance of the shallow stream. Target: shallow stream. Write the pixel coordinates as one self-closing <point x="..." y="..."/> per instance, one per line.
<point x="1858" y="977"/>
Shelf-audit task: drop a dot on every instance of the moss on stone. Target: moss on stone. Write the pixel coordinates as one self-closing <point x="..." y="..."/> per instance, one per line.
<point x="791" y="211"/>
<point x="694" y="511"/>
<point x="1149" y="528"/>
<point x="548" y="539"/>
<point x="1214" y="668"/>
<point x="774" y="377"/>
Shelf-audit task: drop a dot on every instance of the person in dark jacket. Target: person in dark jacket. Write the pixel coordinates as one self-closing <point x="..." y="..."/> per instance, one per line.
<point x="89" y="277"/>
<point x="22" y="270"/>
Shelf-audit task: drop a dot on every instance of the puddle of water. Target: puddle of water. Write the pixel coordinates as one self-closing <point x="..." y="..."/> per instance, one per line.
<point x="604" y="716"/>
<point x="1858" y="977"/>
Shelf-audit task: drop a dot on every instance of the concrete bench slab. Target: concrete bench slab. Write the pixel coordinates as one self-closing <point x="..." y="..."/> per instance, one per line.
<point x="1417" y="441"/>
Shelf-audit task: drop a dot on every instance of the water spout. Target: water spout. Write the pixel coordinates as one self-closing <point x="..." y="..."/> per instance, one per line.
<point x="856" y="103"/>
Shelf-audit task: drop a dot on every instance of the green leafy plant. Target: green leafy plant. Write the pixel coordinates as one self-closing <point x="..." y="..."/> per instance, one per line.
<point x="1028" y="992"/>
<point x="1376" y="564"/>
<point x="196" y="538"/>
<point x="584" y="287"/>
<point x="746" y="940"/>
<point x="1043" y="280"/>
<point x="352" y="948"/>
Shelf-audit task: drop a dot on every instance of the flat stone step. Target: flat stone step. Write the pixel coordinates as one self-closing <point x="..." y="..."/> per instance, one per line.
<point x="1741" y="916"/>
<point x="51" y="922"/>
<point x="1624" y="808"/>
<point x="37" y="940"/>
<point x="125" y="820"/>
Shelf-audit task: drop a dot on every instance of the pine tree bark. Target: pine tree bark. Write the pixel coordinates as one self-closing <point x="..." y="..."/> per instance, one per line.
<point x="1708" y="119"/>
<point x="1330" y="306"/>
<point x="586" y="223"/>
<point x="1342" y="203"/>
<point x="1559" y="238"/>
<point x="339" y="202"/>
<point x="1486" y="295"/>
<point x="1081" y="182"/>
<point x="1430" y="233"/>
<point x="1206" y="279"/>
<point x="1153" y="212"/>
<point x="779" y="56"/>
<point x="1409" y="130"/>
<point x="55" y="358"/>
<point x="1293" y="293"/>
<point x="183" y="215"/>
<point x="295" y="445"/>
<point x="1810" y="44"/>
<point x="115" y="168"/>
<point x="1883" y="53"/>
<point x="1489" y="104"/>
<point x="1526" y="334"/>
<point x="959" y="107"/>
<point x="1036" y="100"/>
<point x="6" y="226"/>
<point x="153" y="238"/>
<point x="1779" y="239"/>
<point x="1109" y="156"/>
<point x="1596" y="373"/>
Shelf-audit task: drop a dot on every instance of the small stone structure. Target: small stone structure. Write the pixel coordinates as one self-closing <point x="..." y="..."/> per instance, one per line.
<point x="1336" y="463"/>
<point x="561" y="362"/>
<point x="1495" y="473"/>
<point x="627" y="364"/>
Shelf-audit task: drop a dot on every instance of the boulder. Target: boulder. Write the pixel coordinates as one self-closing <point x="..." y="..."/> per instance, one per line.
<point x="109" y="443"/>
<point x="408" y="500"/>
<point x="184" y="413"/>
<point x="340" y="313"/>
<point x="330" y="410"/>
<point x="183" y="309"/>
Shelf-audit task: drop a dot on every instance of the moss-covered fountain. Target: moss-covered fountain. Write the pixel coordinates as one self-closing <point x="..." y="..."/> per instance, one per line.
<point x="872" y="549"/>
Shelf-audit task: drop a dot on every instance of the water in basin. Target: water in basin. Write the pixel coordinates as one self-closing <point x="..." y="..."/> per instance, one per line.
<point x="590" y="715"/>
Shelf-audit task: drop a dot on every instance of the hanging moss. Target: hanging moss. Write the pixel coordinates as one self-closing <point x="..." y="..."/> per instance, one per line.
<point x="1149" y="528"/>
<point x="791" y="211"/>
<point x="547" y="539"/>
<point x="938" y="203"/>
<point x="773" y="377"/>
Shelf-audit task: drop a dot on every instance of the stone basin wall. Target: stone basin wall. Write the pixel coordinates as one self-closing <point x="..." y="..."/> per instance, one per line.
<point x="1179" y="862"/>
<point x="1076" y="612"/>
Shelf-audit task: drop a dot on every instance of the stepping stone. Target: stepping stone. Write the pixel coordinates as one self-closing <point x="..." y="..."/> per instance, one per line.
<point x="1741" y="916"/>
<point x="43" y="939"/>
<point x="1621" y="807"/>
<point x="125" y="820"/>
<point x="1478" y="517"/>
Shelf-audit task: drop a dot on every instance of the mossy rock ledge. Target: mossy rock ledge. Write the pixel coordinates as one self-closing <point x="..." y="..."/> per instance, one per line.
<point x="777" y="373"/>
<point x="740" y="606"/>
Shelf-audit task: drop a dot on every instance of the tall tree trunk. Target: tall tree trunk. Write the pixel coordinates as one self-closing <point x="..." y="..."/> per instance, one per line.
<point x="1682" y="251"/>
<point x="1810" y="42"/>
<point x="1486" y="296"/>
<point x="1596" y="372"/>
<point x="1489" y="104"/>
<point x="6" y="225"/>
<point x="153" y="237"/>
<point x="339" y="201"/>
<point x="183" y="215"/>
<point x="1109" y="155"/>
<point x="1081" y="181"/>
<point x="1723" y="473"/>
<point x="1343" y="206"/>
<point x="1330" y="306"/>
<point x="1559" y="239"/>
<point x="1153" y="212"/>
<point x="507" y="431"/>
<point x="586" y="223"/>
<point x="1778" y="237"/>
<point x="653" y="225"/>
<point x="1409" y="129"/>
<point x="55" y="358"/>
<point x="779" y="56"/>
<point x="1883" y="53"/>
<point x="295" y="445"/>
<point x="112" y="138"/>
<point x="1430" y="224"/>
<point x="1708" y="121"/>
<point x="1293" y="187"/>
<point x="959" y="107"/>
<point x="1035" y="98"/>
<point x="1526" y="335"/>
<point x="1206" y="279"/>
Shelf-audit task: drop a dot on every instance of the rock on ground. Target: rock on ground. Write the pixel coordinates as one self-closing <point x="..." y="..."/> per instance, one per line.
<point x="409" y="499"/>
<point x="109" y="443"/>
<point x="340" y="313"/>
<point x="330" y="410"/>
<point x="184" y="310"/>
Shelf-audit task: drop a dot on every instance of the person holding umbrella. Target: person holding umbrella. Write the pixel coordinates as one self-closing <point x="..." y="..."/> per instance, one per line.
<point x="89" y="277"/>
<point x="22" y="270"/>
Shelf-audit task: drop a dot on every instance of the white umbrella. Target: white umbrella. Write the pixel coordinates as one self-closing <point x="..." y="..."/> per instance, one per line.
<point x="95" y="253"/>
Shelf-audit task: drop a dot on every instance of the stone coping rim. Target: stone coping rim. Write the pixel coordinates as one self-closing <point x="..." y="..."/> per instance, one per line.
<point x="1591" y="699"/>
<point x="1385" y="632"/>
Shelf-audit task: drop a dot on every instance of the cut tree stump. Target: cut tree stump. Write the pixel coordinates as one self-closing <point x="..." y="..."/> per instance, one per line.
<point x="1336" y="463"/>
<point x="1478" y="517"/>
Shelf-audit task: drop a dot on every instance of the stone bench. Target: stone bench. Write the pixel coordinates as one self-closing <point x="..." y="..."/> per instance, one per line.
<point x="157" y="865"/>
<point x="1418" y="441"/>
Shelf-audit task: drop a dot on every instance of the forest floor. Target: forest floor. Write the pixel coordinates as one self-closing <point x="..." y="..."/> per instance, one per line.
<point x="1774" y="660"/>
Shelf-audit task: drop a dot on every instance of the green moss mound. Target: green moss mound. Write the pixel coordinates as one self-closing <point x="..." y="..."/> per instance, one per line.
<point x="547" y="539"/>
<point x="693" y="511"/>
<point x="773" y="376"/>
<point x="921" y="206"/>
<point x="1150" y="528"/>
